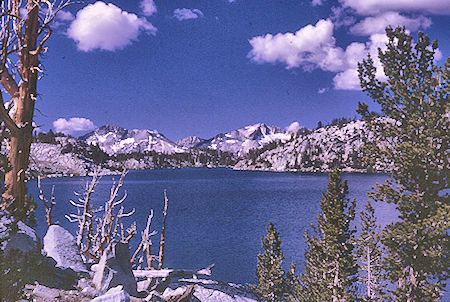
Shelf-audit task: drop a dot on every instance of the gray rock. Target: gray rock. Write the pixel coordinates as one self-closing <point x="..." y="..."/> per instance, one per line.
<point x="115" y="269"/>
<point x="15" y="235"/>
<point x="213" y="291"/>
<point x="60" y="245"/>
<point x="45" y="293"/>
<point x="115" y="294"/>
<point x="143" y="285"/>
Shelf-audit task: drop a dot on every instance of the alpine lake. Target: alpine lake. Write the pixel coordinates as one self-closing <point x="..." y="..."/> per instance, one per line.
<point x="216" y="215"/>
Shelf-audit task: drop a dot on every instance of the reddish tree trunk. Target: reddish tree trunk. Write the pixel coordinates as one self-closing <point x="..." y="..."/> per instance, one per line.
<point x="24" y="96"/>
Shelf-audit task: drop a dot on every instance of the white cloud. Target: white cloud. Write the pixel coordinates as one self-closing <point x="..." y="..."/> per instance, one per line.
<point x="356" y="52"/>
<point x="106" y="27"/>
<point x="317" y="2"/>
<point x="294" y="127"/>
<point x="187" y="13"/>
<point x="342" y="16"/>
<point x="308" y="47"/>
<point x="377" y="24"/>
<point x="314" y="47"/>
<point x="73" y="124"/>
<point x="375" y="7"/>
<point x="65" y="16"/>
<point x="148" y="7"/>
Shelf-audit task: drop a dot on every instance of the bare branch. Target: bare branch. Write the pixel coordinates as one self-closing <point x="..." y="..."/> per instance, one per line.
<point x="47" y="205"/>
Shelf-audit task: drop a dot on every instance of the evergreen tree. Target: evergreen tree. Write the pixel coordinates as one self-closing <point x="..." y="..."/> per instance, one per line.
<point x="415" y="127"/>
<point x="292" y="284"/>
<point x="331" y="270"/>
<point x="270" y="280"/>
<point x="368" y="250"/>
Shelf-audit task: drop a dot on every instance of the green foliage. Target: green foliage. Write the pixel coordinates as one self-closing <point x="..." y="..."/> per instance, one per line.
<point x="269" y="273"/>
<point x="292" y="284"/>
<point x="330" y="269"/>
<point x="272" y="284"/>
<point x="369" y="252"/>
<point x="414" y="132"/>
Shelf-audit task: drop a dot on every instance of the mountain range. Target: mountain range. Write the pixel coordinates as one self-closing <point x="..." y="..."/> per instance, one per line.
<point x="253" y="147"/>
<point x="117" y="140"/>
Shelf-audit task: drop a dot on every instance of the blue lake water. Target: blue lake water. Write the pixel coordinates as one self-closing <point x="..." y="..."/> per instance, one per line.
<point x="218" y="215"/>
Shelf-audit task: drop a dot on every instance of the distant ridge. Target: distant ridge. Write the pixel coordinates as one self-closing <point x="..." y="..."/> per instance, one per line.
<point x="118" y="140"/>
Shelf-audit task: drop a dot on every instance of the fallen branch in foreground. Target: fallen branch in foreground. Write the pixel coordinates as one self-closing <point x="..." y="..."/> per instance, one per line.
<point x="168" y="274"/>
<point x="174" y="273"/>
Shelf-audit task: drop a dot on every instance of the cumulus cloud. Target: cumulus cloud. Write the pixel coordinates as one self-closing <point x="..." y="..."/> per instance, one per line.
<point x="313" y="46"/>
<point x="74" y="124"/>
<point x="309" y="47"/>
<point x="187" y="13"/>
<point x="106" y="27"/>
<point x="294" y="127"/>
<point x="375" y="7"/>
<point x="377" y="24"/>
<point x="148" y="7"/>
<point x="348" y="79"/>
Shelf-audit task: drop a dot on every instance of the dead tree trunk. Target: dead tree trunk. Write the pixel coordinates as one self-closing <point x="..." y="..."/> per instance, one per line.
<point x="163" y="233"/>
<point x="23" y="40"/>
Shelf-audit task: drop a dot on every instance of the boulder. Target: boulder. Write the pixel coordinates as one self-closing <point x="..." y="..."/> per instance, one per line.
<point x="115" y="269"/>
<point x="115" y="294"/>
<point x="60" y="245"/>
<point x="44" y="293"/>
<point x="16" y="235"/>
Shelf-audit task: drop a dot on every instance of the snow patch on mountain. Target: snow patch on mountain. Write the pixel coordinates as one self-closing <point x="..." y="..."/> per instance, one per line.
<point x="242" y="140"/>
<point x="118" y="140"/>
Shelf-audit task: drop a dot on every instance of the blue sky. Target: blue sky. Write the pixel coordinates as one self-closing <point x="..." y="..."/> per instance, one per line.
<point x="209" y="66"/>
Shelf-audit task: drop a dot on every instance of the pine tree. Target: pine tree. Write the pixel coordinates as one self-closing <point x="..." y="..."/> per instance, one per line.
<point x="270" y="280"/>
<point x="414" y="131"/>
<point x="368" y="250"/>
<point x="331" y="270"/>
<point x="292" y="284"/>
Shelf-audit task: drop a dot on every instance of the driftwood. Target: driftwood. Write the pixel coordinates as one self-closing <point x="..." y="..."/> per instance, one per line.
<point x="168" y="274"/>
<point x="176" y="273"/>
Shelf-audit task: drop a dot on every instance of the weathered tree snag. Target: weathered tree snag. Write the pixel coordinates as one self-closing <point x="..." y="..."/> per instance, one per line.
<point x="163" y="232"/>
<point x="48" y="205"/>
<point x="22" y="40"/>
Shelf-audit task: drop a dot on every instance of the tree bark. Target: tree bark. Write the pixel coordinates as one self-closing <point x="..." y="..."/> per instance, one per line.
<point x="23" y="117"/>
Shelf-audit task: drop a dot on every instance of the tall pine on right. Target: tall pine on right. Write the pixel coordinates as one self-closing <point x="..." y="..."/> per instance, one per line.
<point x="412" y="143"/>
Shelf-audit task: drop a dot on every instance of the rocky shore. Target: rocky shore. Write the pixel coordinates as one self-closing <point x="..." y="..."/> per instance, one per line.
<point x="53" y="269"/>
